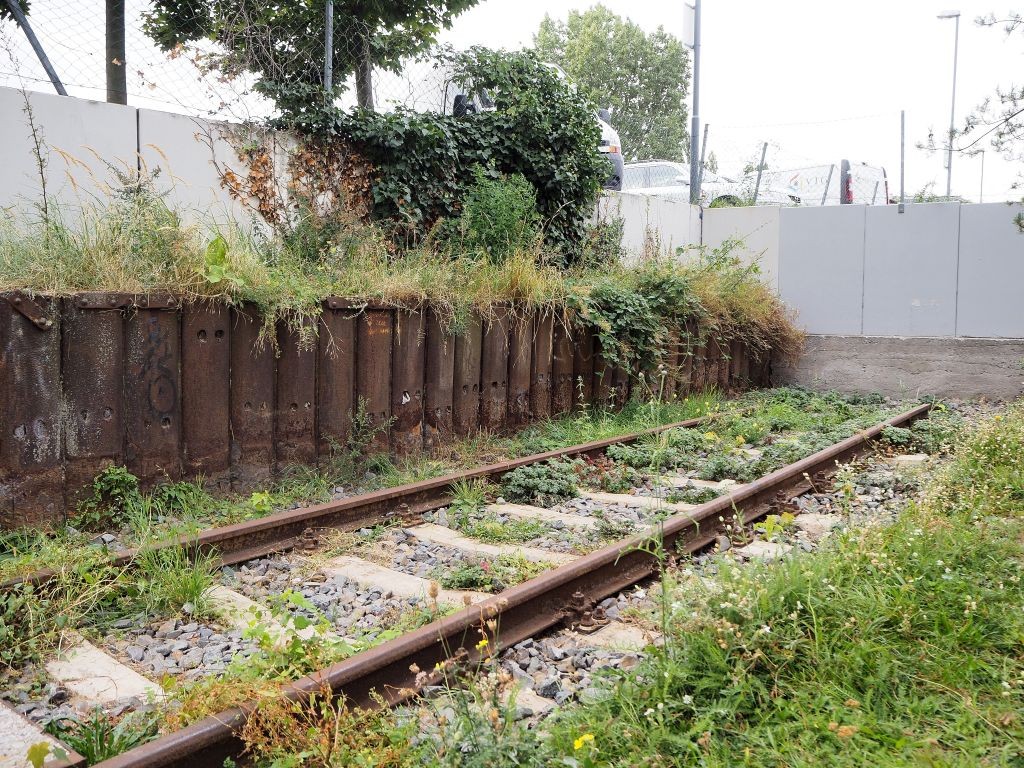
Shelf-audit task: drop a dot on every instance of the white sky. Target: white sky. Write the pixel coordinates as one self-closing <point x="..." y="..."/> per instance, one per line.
<point x="818" y="79"/>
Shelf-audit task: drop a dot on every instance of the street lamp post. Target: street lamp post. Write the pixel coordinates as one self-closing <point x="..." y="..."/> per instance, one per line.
<point x="955" y="15"/>
<point x="695" y="174"/>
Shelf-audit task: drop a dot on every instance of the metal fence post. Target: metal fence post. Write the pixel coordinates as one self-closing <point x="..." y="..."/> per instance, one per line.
<point x="329" y="48"/>
<point x="824" y="195"/>
<point x="19" y="16"/>
<point x="760" y="168"/>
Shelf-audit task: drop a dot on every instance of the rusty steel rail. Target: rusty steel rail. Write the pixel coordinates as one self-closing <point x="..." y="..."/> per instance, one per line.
<point x="280" y="531"/>
<point x="383" y="674"/>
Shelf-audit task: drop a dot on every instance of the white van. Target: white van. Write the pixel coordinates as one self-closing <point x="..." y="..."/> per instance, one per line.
<point x="844" y="183"/>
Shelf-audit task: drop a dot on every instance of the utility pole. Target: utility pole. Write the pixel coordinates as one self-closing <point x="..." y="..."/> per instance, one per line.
<point x="903" y="160"/>
<point x="695" y="118"/>
<point x="955" y="15"/>
<point x="117" y="70"/>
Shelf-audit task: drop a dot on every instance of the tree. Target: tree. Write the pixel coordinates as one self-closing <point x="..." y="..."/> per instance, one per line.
<point x="282" y="42"/>
<point x="643" y="78"/>
<point x="999" y="120"/>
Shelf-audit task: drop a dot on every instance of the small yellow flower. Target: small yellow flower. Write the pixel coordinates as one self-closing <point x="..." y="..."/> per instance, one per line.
<point x="586" y="737"/>
<point x="710" y="436"/>
<point x="482" y="644"/>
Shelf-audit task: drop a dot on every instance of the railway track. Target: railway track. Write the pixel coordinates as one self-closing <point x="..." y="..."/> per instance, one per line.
<point x="568" y="593"/>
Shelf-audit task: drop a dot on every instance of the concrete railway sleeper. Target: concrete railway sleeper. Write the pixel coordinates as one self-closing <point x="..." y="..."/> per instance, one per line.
<point x="428" y="562"/>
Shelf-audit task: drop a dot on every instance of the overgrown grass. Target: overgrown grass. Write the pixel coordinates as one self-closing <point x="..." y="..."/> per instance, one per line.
<point x="896" y="646"/>
<point x="133" y="242"/>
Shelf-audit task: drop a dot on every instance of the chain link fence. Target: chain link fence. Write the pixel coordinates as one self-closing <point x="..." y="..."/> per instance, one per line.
<point x="257" y="53"/>
<point x="240" y="60"/>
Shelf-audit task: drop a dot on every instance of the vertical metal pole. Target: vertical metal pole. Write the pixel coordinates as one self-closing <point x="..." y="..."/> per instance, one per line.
<point x="760" y="167"/>
<point x="695" y="119"/>
<point x="874" y="193"/>
<point x="903" y="159"/>
<point x="981" y="188"/>
<point x="19" y="16"/>
<point x="703" y="149"/>
<point x="117" y="69"/>
<point x="828" y="181"/>
<point x="952" y="113"/>
<point x="329" y="48"/>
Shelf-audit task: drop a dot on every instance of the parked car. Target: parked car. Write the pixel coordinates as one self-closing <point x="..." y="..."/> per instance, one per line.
<point x="666" y="178"/>
<point x="843" y="183"/>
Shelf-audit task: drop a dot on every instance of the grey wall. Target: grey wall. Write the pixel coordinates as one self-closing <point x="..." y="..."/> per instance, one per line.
<point x="990" y="277"/>
<point x="909" y="366"/>
<point x="939" y="270"/>
<point x="821" y="270"/>
<point x="86" y="142"/>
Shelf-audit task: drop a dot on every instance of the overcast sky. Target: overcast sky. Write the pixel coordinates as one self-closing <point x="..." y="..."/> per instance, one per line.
<point x="818" y="79"/>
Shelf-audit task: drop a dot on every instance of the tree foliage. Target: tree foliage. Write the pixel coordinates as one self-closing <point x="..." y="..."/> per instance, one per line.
<point x="282" y="42"/>
<point x="643" y="78"/>
<point x="422" y="166"/>
<point x="999" y="119"/>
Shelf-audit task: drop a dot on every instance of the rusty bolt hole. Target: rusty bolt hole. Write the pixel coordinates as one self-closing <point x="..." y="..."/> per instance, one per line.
<point x="20" y="432"/>
<point x="202" y="335"/>
<point x="248" y="406"/>
<point x="219" y="333"/>
<point x="165" y="422"/>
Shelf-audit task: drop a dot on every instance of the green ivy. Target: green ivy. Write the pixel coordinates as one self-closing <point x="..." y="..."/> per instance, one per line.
<point x="422" y="163"/>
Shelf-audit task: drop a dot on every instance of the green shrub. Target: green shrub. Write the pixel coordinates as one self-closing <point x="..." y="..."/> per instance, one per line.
<point x="540" y="128"/>
<point x="499" y="215"/>
<point x="937" y="433"/>
<point x="115" y="498"/>
<point x="899" y="437"/>
<point x="544" y="484"/>
<point x="100" y="738"/>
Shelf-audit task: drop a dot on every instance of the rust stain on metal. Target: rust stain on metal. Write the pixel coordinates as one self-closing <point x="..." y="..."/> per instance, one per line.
<point x="466" y="378"/>
<point x="153" y="394"/>
<point x="408" y="364"/>
<point x="31" y="470"/>
<point x="295" y="417"/>
<point x="541" y="367"/>
<point x="583" y="365"/>
<point x="336" y="378"/>
<point x="252" y="401"/>
<point x="561" y="369"/>
<point x="92" y="352"/>
<point x="603" y="373"/>
<point x="494" y="371"/>
<point x="439" y="394"/>
<point x="520" y="361"/>
<point x="30" y="310"/>
<point x="205" y="390"/>
<point x="373" y="373"/>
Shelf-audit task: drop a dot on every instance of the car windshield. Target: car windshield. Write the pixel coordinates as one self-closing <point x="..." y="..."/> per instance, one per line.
<point x="634" y="177"/>
<point x="666" y="175"/>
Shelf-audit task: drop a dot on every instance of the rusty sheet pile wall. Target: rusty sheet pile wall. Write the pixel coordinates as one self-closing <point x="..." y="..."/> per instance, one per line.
<point x="176" y="391"/>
